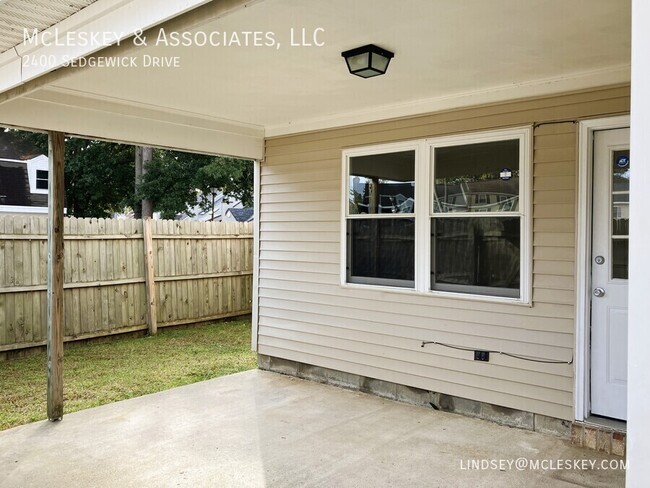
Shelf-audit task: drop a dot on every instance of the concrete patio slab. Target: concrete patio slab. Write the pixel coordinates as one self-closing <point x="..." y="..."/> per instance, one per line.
<point x="261" y="429"/>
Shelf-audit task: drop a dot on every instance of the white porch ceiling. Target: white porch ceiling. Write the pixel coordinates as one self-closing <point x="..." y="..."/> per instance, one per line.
<point x="447" y="54"/>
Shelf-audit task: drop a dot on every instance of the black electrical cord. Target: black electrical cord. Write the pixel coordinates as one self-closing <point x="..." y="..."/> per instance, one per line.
<point x="516" y="356"/>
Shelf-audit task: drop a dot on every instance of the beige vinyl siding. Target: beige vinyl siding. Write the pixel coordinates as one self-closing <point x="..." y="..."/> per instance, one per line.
<point x="306" y="315"/>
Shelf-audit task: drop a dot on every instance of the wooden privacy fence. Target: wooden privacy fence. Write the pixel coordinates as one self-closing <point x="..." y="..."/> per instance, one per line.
<point x="200" y="271"/>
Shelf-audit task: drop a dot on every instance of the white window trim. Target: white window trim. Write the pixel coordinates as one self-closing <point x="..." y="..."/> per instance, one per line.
<point x="418" y="147"/>
<point x="423" y="197"/>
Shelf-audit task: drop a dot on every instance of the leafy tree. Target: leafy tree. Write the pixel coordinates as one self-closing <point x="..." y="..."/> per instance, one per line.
<point x="99" y="177"/>
<point x="98" y="174"/>
<point x="175" y="180"/>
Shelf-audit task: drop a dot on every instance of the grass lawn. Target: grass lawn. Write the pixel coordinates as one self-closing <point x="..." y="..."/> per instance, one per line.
<point x="109" y="370"/>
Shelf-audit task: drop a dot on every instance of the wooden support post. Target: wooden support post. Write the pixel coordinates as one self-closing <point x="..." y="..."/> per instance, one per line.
<point x="150" y="282"/>
<point x="55" y="277"/>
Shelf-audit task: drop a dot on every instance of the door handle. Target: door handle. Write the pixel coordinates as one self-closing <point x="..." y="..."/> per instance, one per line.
<point x="599" y="292"/>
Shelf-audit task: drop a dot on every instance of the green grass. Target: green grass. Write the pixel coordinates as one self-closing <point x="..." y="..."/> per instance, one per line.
<point x="109" y="370"/>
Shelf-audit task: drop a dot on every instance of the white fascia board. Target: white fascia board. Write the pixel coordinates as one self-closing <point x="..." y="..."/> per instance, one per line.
<point x="119" y="122"/>
<point x="615" y="75"/>
<point x="22" y="209"/>
<point x="122" y="17"/>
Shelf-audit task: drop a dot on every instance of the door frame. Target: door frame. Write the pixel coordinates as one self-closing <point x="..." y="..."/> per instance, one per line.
<point x="586" y="129"/>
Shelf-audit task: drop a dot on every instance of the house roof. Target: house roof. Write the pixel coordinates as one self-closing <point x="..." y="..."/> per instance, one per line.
<point x="12" y="148"/>
<point x="242" y="214"/>
<point x="14" y="186"/>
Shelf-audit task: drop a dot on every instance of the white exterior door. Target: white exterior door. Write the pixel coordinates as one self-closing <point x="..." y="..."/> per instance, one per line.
<point x="609" y="272"/>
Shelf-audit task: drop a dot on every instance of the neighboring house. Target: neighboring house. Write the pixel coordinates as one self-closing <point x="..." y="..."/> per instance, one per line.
<point x="23" y="177"/>
<point x="245" y="214"/>
<point x="509" y="121"/>
<point x="216" y="209"/>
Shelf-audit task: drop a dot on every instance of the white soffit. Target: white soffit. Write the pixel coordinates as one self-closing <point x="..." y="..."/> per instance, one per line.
<point x="447" y="54"/>
<point x="16" y="15"/>
<point x="116" y="20"/>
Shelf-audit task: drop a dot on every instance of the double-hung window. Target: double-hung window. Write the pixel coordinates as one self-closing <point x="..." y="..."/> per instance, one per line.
<point x="468" y="233"/>
<point x="380" y="217"/>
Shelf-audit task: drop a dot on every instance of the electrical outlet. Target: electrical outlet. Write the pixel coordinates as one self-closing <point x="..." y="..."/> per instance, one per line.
<point x="481" y="355"/>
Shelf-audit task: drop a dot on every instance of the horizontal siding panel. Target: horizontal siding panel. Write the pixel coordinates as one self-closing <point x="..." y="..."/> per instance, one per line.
<point x="541" y="344"/>
<point x="413" y="330"/>
<point x="557" y="239"/>
<point x="306" y="315"/>
<point x="300" y="217"/>
<point x="410" y="351"/>
<point x="560" y="168"/>
<point x="324" y="359"/>
<point x="559" y="268"/>
<point x="554" y="196"/>
<point x="554" y="224"/>
<point x="554" y="211"/>
<point x="554" y="282"/>
<point x="459" y="378"/>
<point x="543" y="295"/>
<point x="333" y="225"/>
<point x="544" y="183"/>
<point x="272" y="158"/>
<point x="294" y="236"/>
<point x="428" y="307"/>
<point x="285" y="183"/>
<point x="553" y="253"/>
<point x="315" y="246"/>
<point x="299" y="197"/>
<point x="298" y="276"/>
<point x="291" y="265"/>
<point x="306" y="257"/>
<point x="550" y="141"/>
<point x="332" y="205"/>
<point x="554" y="154"/>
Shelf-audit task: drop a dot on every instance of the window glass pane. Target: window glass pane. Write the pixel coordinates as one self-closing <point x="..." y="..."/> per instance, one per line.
<point x="620" y="193"/>
<point x="41" y="179"/>
<point x="476" y="255"/>
<point x="382" y="183"/>
<point x="621" y="171"/>
<point x="381" y="249"/>
<point x="619" y="258"/>
<point x="480" y="177"/>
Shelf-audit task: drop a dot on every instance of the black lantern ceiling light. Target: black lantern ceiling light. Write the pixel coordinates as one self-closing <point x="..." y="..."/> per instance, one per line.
<point x="367" y="61"/>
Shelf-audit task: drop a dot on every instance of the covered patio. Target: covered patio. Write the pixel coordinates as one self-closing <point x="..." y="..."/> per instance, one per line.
<point x="258" y="429"/>
<point x="292" y="106"/>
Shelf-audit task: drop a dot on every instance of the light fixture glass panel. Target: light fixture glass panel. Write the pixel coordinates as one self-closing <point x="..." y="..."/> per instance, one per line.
<point x="358" y="62"/>
<point x="379" y="62"/>
<point x="367" y="73"/>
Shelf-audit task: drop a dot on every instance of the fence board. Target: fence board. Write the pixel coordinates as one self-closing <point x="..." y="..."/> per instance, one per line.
<point x="202" y="272"/>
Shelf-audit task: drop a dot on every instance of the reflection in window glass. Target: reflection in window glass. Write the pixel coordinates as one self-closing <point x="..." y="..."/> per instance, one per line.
<point x="481" y="177"/>
<point x="381" y="249"/>
<point x="476" y="255"/>
<point x="620" y="193"/>
<point x="382" y="183"/>
<point x="620" y="258"/>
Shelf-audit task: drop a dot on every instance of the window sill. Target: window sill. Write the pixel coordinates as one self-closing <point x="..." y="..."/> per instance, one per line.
<point x="439" y="294"/>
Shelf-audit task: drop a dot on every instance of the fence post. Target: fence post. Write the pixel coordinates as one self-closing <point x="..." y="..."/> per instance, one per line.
<point x="150" y="282"/>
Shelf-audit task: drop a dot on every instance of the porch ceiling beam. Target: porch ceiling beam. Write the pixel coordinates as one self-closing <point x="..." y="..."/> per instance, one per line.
<point x="55" y="255"/>
<point x="132" y="123"/>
